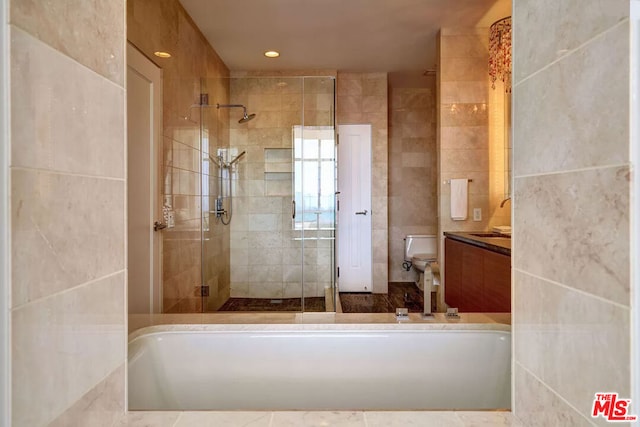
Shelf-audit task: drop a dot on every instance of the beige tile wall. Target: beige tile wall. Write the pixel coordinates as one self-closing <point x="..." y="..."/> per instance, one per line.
<point x="413" y="207"/>
<point x="499" y="155"/>
<point x="68" y="193"/>
<point x="572" y="210"/>
<point x="267" y="258"/>
<point x="471" y="139"/>
<point x="153" y="26"/>
<point x="464" y="123"/>
<point x="362" y="99"/>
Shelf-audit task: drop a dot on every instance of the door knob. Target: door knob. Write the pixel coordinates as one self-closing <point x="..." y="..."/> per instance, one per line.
<point x="158" y="226"/>
<point x="364" y="212"/>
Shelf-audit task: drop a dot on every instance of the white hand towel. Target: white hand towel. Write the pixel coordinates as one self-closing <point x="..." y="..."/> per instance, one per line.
<point x="459" y="190"/>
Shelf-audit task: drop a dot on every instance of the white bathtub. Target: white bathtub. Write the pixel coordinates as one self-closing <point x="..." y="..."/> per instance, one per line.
<point x="292" y="367"/>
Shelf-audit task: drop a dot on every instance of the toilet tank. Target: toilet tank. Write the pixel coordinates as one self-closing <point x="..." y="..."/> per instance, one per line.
<point x="420" y="244"/>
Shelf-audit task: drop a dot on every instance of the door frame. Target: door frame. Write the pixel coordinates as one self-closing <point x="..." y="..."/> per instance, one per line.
<point x="339" y="236"/>
<point x="143" y="65"/>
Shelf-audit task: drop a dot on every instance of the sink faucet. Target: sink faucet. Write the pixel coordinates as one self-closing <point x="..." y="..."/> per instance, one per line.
<point x="504" y="201"/>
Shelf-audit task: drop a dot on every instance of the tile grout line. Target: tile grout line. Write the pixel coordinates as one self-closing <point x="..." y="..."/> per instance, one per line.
<point x="70" y="58"/>
<point x="549" y="388"/>
<point x="580" y="291"/>
<point x="62" y="173"/>
<point x="175" y="423"/>
<point x="567" y="54"/>
<point x="457" y="416"/>
<point x="577" y="170"/>
<point x="187" y="170"/>
<point x="91" y="388"/>
<point x="67" y="290"/>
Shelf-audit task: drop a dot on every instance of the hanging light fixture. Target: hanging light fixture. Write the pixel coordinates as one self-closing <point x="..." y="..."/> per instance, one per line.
<point x="500" y="52"/>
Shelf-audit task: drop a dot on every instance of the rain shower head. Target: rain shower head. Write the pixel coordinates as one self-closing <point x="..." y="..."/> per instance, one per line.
<point x="245" y="118"/>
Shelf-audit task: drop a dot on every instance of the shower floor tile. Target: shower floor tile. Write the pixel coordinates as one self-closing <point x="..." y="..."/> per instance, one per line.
<point x="314" y="304"/>
<point x="401" y="294"/>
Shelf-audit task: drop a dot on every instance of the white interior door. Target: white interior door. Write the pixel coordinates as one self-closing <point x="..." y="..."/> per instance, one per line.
<point x="144" y="107"/>
<point x="355" y="253"/>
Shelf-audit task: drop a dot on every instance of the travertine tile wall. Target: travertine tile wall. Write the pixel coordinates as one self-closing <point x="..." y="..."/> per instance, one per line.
<point x="499" y="156"/>
<point x="463" y="122"/>
<point x="362" y="99"/>
<point x="153" y="26"/>
<point x="471" y="131"/>
<point x="413" y="207"/>
<point x="267" y="258"/>
<point x="571" y="242"/>
<point x="68" y="193"/>
<point x="5" y="251"/>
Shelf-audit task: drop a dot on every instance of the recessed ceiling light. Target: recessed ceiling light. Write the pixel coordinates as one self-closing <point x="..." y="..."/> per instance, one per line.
<point x="161" y="54"/>
<point x="272" y="54"/>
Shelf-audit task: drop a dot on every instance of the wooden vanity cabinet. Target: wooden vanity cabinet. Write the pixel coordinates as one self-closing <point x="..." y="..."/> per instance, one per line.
<point x="476" y="279"/>
<point x="497" y="282"/>
<point x="453" y="254"/>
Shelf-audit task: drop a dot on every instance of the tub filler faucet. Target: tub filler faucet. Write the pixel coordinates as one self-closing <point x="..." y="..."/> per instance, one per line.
<point x="430" y="282"/>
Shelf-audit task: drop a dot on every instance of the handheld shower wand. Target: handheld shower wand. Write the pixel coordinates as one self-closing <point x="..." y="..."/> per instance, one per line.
<point x="219" y="202"/>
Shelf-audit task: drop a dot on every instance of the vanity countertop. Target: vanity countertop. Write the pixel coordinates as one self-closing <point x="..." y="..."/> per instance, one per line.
<point x="498" y="244"/>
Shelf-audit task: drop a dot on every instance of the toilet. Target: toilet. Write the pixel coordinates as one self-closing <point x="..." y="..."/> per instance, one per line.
<point x="419" y="250"/>
<point x="421" y="253"/>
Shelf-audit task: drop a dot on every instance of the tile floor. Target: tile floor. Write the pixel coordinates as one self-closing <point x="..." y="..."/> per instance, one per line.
<point x="312" y="304"/>
<point x="401" y="294"/>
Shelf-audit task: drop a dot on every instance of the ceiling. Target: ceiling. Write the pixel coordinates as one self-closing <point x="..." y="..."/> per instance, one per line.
<point x="346" y="35"/>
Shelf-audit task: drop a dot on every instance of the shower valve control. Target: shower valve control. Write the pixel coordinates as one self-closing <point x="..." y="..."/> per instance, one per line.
<point x="168" y="216"/>
<point x="159" y="226"/>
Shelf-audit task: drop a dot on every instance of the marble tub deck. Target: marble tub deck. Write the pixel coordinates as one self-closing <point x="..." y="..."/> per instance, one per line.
<point x="316" y="418"/>
<point x="354" y="320"/>
<point x="321" y="418"/>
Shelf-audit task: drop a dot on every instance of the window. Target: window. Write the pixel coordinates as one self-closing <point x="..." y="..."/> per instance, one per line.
<point x="314" y="158"/>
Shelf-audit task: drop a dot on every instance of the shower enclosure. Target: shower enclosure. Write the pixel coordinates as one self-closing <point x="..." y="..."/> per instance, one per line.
<point x="264" y="191"/>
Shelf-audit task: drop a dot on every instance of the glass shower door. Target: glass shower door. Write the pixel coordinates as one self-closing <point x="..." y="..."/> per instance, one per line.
<point x="314" y="195"/>
<point x="263" y="258"/>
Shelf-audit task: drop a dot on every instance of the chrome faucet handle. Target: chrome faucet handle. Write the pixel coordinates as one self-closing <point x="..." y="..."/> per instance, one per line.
<point x="452" y="313"/>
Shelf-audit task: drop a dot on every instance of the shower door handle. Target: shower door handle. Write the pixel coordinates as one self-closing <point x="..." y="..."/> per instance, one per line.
<point x="364" y="212"/>
<point x="293" y="209"/>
